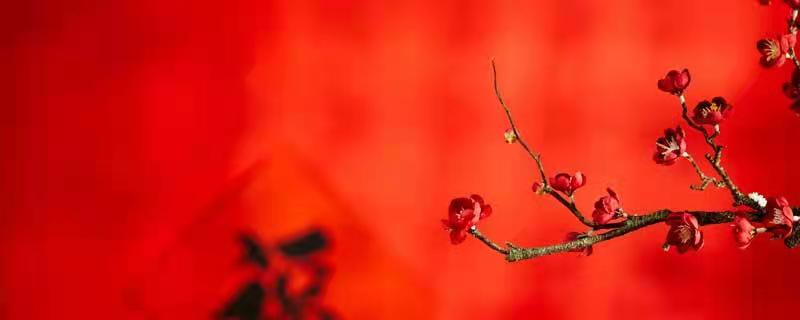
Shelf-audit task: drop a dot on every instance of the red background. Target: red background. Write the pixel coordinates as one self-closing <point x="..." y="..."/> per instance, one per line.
<point x="140" y="135"/>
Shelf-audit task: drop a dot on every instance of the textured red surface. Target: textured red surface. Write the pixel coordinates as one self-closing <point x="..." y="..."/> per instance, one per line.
<point x="130" y="123"/>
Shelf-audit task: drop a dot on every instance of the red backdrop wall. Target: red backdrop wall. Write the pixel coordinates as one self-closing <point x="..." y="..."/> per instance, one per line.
<point x="140" y="136"/>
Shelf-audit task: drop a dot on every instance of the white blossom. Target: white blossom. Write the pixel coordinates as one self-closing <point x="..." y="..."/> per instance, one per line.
<point x="762" y="202"/>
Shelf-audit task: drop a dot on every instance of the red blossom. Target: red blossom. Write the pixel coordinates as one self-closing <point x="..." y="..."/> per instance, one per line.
<point x="572" y="236"/>
<point x="774" y="51"/>
<point x="743" y="232"/>
<point x="792" y="3"/>
<point x="712" y="112"/>
<point x="675" y="82"/>
<point x="684" y="232"/>
<point x="778" y="217"/>
<point x="607" y="208"/>
<point x="566" y="183"/>
<point x="670" y="147"/>
<point x="463" y="214"/>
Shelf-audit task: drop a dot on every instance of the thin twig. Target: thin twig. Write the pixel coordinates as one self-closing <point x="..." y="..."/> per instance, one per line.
<point x="570" y="205"/>
<point x="478" y="235"/>
<point x="716" y="159"/>
<point x="705" y="180"/>
<point x="536" y="157"/>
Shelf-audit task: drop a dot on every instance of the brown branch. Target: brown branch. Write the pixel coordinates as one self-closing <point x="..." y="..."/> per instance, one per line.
<point x="705" y="180"/>
<point x="570" y="205"/>
<point x="514" y="253"/>
<point x="536" y="157"/>
<point x="691" y="123"/>
<point x="716" y="160"/>
<point x="478" y="235"/>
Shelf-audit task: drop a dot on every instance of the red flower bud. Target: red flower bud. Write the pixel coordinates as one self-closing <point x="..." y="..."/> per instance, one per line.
<point x="743" y="232"/>
<point x="684" y="232"/>
<point x="607" y="208"/>
<point x="538" y="188"/>
<point x="670" y="147"/>
<point x="675" y="82"/>
<point x="713" y="112"/>
<point x="774" y="51"/>
<point x="778" y="218"/>
<point x="566" y="183"/>
<point x="572" y="236"/>
<point x="464" y="214"/>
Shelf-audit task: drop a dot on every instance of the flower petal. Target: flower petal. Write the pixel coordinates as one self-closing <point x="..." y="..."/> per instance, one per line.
<point x="457" y="236"/>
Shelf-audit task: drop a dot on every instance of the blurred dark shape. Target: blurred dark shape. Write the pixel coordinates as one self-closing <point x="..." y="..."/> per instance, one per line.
<point x="253" y="251"/>
<point x="311" y="242"/>
<point x="286" y="287"/>
<point x="287" y="303"/>
<point x="247" y="304"/>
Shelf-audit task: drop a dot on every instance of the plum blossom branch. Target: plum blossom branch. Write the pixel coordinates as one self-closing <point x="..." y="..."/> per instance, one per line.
<point x="716" y="159"/>
<point x="632" y="224"/>
<point x="775" y="51"/>
<point x="772" y="215"/>
<point x="514" y="253"/>
<point x="636" y="222"/>
<point x="515" y="136"/>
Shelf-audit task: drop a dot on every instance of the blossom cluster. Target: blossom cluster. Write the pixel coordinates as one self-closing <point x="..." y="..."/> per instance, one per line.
<point x="684" y="231"/>
<point x="776" y="50"/>
<point x="754" y="215"/>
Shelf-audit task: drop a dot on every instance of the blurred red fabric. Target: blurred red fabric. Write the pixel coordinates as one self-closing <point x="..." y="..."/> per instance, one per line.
<point x="139" y="136"/>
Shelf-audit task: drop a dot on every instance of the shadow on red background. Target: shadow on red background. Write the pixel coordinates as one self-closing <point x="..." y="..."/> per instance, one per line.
<point x="130" y="122"/>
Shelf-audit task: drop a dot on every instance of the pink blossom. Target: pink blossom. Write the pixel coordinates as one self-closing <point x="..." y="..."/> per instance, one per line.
<point x="566" y="183"/>
<point x="712" y="112"/>
<point x="743" y="232"/>
<point x="774" y="51"/>
<point x="684" y="232"/>
<point x="778" y="217"/>
<point x="670" y="147"/>
<point x="675" y="82"/>
<point x="607" y="208"/>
